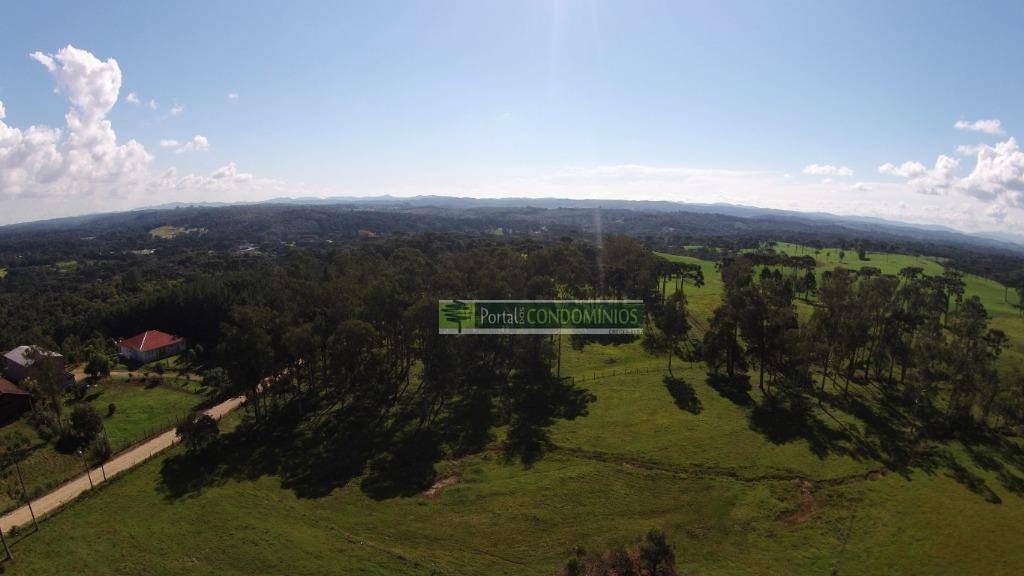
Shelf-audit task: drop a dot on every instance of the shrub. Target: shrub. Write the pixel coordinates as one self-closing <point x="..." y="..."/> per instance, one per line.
<point x="111" y="408"/>
<point x="653" y="556"/>
<point x="85" y="425"/>
<point x="99" y="450"/>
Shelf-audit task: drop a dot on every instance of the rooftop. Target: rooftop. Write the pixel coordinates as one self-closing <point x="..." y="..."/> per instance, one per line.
<point x="20" y="355"/>
<point x="149" y="340"/>
<point x="8" y="388"/>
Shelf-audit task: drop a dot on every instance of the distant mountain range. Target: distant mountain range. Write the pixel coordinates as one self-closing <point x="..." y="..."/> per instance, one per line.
<point x="1000" y="238"/>
<point x="1003" y="240"/>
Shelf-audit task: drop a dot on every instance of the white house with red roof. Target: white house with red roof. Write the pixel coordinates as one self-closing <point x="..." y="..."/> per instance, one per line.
<point x="150" y="345"/>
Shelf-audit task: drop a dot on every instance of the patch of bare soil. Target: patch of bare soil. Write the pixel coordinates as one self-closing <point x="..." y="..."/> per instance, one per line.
<point x="440" y="485"/>
<point x="808" y="506"/>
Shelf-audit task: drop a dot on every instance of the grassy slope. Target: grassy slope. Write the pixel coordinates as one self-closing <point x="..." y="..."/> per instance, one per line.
<point x="726" y="495"/>
<point x="719" y="489"/>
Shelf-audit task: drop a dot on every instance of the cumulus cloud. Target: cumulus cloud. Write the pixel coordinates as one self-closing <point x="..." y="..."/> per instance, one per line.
<point x="132" y="98"/>
<point x="198" y="143"/>
<point x="177" y="110"/>
<point x="827" y="170"/>
<point x="232" y="95"/>
<point x="152" y="104"/>
<point x="43" y="161"/>
<point x="230" y="172"/>
<point x="934" y="181"/>
<point x="997" y="177"/>
<point x="998" y="174"/>
<point x="47" y="172"/>
<point x="990" y="126"/>
<point x="905" y="170"/>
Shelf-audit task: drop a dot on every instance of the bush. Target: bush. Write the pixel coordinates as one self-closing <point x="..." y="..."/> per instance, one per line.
<point x="99" y="450"/>
<point x="46" y="424"/>
<point x="85" y="426"/>
<point x="111" y="408"/>
<point x="98" y="365"/>
<point x="653" y="556"/>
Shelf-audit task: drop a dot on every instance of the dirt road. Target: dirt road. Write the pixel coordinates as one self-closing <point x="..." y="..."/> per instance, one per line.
<point x="123" y="461"/>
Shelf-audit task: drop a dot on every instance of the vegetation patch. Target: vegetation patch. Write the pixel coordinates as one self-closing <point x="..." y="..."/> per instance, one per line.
<point x="169" y="232"/>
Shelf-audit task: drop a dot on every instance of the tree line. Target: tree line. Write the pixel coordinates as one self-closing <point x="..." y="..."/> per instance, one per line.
<point x="915" y="337"/>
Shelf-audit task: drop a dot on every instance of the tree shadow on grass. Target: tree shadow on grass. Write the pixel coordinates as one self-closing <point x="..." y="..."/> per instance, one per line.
<point x="735" y="389"/>
<point x="683" y="394"/>
<point x="887" y="434"/>
<point x="784" y="422"/>
<point x="310" y="461"/>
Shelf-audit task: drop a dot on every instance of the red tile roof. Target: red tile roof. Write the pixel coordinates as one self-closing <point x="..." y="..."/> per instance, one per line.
<point x="9" y="388"/>
<point x="149" y="340"/>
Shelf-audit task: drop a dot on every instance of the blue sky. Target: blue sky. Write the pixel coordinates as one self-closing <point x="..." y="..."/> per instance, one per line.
<point x="694" y="101"/>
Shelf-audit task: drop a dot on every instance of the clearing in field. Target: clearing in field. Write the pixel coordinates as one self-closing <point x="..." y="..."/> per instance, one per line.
<point x="169" y="232"/>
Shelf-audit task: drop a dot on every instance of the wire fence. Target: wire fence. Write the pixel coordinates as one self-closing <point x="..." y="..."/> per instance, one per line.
<point x="616" y="372"/>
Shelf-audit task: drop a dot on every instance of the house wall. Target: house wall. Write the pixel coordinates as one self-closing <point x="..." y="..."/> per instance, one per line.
<point x="15" y="372"/>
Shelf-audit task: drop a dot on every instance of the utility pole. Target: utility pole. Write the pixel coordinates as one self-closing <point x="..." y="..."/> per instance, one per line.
<point x="24" y="493"/>
<point x="87" y="474"/>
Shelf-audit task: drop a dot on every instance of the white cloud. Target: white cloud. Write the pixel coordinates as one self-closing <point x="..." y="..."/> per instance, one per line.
<point x="861" y="187"/>
<point x="42" y="161"/>
<point x="828" y="170"/>
<point x="934" y="181"/>
<point x="997" y="177"/>
<point x="905" y="170"/>
<point x="177" y="110"/>
<point x="990" y="126"/>
<point x="232" y="95"/>
<point x="969" y="149"/>
<point x="132" y="98"/>
<point x="998" y="174"/>
<point x="43" y="59"/>
<point x="231" y="173"/>
<point x="50" y="172"/>
<point x="152" y="104"/>
<point x="198" y="143"/>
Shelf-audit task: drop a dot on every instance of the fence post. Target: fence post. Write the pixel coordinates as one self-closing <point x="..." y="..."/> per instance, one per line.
<point x="24" y="493"/>
<point x="7" y="548"/>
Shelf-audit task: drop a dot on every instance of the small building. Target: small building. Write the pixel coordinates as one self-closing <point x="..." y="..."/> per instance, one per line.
<point x="149" y="346"/>
<point x="13" y="401"/>
<point x="18" y="362"/>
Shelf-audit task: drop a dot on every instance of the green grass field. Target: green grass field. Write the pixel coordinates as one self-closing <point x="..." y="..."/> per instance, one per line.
<point x="732" y="500"/>
<point x="736" y="493"/>
<point x="141" y="411"/>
